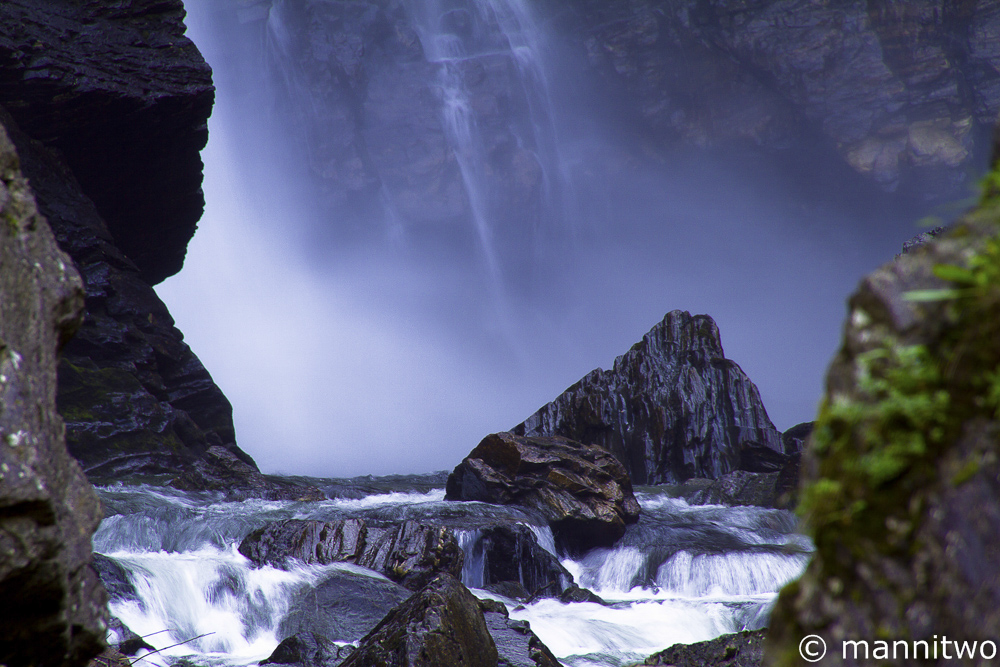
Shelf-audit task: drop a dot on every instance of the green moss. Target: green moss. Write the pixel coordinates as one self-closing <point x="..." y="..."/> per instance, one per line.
<point x="878" y="445"/>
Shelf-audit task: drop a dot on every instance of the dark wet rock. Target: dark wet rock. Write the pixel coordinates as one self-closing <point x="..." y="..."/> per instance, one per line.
<point x="794" y="439"/>
<point x="134" y="397"/>
<point x="900" y="487"/>
<point x="115" y="578"/>
<point x="583" y="492"/>
<point x="308" y="649"/>
<point x="123" y="639"/>
<point x="54" y="607"/>
<point x="574" y="593"/>
<point x="742" y="649"/>
<point x="441" y="624"/>
<point x="672" y="407"/>
<point x="222" y="469"/>
<point x="509" y="589"/>
<point x="343" y="607"/>
<point x="410" y="554"/>
<point x="511" y="553"/>
<point x="110" y="657"/>
<point x="740" y="488"/>
<point x="517" y="645"/>
<point x="125" y="97"/>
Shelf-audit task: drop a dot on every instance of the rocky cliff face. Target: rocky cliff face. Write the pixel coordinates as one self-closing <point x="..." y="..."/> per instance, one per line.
<point x="901" y="94"/>
<point x="904" y="93"/>
<point x="900" y="482"/>
<point x="53" y="610"/>
<point x="673" y="407"/>
<point x="112" y="103"/>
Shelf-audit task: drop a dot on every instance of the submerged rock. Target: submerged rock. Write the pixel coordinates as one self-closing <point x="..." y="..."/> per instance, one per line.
<point x="672" y="407"/>
<point x="441" y="624"/>
<point x="410" y="554"/>
<point x="343" y="607"/>
<point x="583" y="492"/>
<point x="742" y="649"/>
<point x="900" y="487"/>
<point x="53" y="609"/>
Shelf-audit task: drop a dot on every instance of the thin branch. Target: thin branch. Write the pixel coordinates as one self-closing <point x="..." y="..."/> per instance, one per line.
<point x="171" y="646"/>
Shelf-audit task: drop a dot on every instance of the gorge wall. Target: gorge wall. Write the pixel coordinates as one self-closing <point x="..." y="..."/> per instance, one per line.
<point x="107" y="106"/>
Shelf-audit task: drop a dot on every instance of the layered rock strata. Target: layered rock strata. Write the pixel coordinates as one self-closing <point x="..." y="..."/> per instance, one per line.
<point x="672" y="407"/>
<point x="54" y="607"/>
<point x="410" y="554"/>
<point x="900" y="482"/>
<point x="583" y="492"/>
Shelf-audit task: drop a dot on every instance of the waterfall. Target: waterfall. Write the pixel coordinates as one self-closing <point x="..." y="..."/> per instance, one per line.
<point x="459" y="41"/>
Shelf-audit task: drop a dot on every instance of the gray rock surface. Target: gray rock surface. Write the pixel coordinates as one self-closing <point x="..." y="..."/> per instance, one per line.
<point x="54" y="607"/>
<point x="672" y="407"/>
<point x="125" y="97"/>
<point x="581" y="490"/>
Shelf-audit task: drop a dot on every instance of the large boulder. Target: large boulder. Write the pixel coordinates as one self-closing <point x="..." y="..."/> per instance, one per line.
<point x="901" y="480"/>
<point x="441" y="624"/>
<point x="410" y="553"/>
<point x="583" y="492"/>
<point x="672" y="407"/>
<point x="54" y="607"/>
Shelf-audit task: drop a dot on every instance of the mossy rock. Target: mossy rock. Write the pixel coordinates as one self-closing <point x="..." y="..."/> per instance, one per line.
<point x="901" y="479"/>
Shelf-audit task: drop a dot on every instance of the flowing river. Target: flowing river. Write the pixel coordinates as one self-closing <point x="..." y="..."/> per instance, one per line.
<point x="684" y="573"/>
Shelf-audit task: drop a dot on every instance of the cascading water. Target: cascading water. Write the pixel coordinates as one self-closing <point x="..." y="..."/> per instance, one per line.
<point x="682" y="574"/>
<point x="462" y="42"/>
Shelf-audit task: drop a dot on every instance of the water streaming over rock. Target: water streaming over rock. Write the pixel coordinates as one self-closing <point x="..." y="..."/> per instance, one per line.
<point x="682" y="574"/>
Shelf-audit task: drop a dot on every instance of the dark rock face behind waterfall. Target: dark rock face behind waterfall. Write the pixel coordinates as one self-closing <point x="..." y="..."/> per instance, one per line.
<point x="112" y="103"/>
<point x="672" y="407"/>
<point x="900" y="481"/>
<point x="53" y="605"/>
<point x="902" y="95"/>
<point x="905" y="93"/>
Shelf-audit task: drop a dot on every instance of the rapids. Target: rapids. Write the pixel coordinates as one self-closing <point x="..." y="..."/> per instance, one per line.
<point x="682" y="574"/>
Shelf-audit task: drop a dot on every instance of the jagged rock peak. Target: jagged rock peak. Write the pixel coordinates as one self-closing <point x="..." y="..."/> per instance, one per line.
<point x="672" y="407"/>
